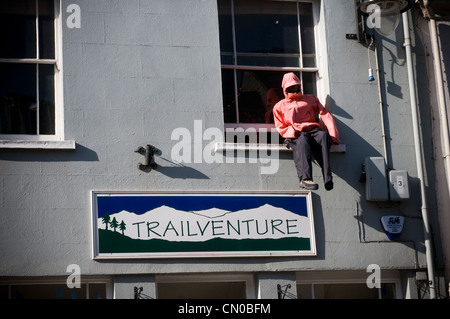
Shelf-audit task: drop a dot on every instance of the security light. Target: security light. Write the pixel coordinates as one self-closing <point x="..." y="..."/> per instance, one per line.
<point x="383" y="15"/>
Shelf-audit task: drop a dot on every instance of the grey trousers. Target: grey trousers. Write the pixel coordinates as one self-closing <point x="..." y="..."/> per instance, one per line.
<point x="309" y="145"/>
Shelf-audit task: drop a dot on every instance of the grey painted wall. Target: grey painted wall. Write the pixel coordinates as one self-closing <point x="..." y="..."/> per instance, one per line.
<point x="137" y="70"/>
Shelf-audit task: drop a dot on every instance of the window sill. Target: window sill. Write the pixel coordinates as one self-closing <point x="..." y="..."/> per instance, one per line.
<point x="40" y="145"/>
<point x="221" y="147"/>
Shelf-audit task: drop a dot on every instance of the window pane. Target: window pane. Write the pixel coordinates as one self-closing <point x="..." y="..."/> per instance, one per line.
<point x="50" y="291"/>
<point x="17" y="99"/>
<point x="229" y="97"/>
<point x="46" y="100"/>
<point x="97" y="291"/>
<point x="202" y="290"/>
<point x="266" y="33"/>
<point x="309" y="83"/>
<point x="226" y="31"/>
<point x="344" y="291"/>
<point x="4" y="292"/>
<point x="18" y="29"/>
<point x="304" y="291"/>
<point x="388" y="291"/>
<point x="258" y="91"/>
<point x="307" y="32"/>
<point x="253" y="91"/>
<point x="46" y="29"/>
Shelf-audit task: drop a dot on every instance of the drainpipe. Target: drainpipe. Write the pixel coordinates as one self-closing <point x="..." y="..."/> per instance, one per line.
<point x="440" y="95"/>
<point x="419" y="160"/>
<point x="380" y="105"/>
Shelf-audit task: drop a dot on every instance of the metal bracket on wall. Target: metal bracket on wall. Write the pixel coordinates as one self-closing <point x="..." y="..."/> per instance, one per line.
<point x="282" y="294"/>
<point x="139" y="295"/>
<point x="149" y="152"/>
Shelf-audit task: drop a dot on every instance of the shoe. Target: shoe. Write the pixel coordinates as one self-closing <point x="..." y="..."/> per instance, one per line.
<point x="329" y="185"/>
<point x="308" y="184"/>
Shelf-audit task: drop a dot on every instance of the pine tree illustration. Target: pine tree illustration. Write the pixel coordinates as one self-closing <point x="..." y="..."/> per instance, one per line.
<point x="106" y="219"/>
<point x="114" y="224"/>
<point x="122" y="227"/>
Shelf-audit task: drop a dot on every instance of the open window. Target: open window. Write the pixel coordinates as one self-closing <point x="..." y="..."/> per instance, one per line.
<point x="260" y="41"/>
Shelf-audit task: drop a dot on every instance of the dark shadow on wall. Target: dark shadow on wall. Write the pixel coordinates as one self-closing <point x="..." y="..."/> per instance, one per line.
<point x="444" y="33"/>
<point x="80" y="154"/>
<point x="177" y="170"/>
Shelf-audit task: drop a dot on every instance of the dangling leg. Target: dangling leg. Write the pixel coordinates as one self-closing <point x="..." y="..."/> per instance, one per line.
<point x="302" y="158"/>
<point x="323" y="139"/>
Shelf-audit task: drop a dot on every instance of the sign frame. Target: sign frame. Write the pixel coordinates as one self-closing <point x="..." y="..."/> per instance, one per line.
<point x="97" y="254"/>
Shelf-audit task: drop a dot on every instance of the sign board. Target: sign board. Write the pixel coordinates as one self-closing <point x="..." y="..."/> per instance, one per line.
<point x="206" y="224"/>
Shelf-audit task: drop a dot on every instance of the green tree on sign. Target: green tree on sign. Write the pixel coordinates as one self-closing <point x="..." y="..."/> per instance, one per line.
<point x="114" y="224"/>
<point x="106" y="219"/>
<point x="122" y="227"/>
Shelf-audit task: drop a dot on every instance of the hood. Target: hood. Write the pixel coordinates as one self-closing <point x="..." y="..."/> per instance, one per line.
<point x="290" y="79"/>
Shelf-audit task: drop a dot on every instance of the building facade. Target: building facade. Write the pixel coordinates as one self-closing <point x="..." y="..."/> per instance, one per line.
<point x="115" y="109"/>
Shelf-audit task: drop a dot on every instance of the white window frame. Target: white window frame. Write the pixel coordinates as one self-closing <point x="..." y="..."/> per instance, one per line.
<point x="320" y="70"/>
<point x="38" y="141"/>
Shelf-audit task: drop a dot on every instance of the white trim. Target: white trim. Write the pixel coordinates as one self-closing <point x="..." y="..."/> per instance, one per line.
<point x="24" y="144"/>
<point x="29" y="61"/>
<point x="323" y="81"/>
<point x="246" y="126"/>
<point x="269" y="68"/>
<point x="59" y="88"/>
<point x="43" y="141"/>
<point x="223" y="147"/>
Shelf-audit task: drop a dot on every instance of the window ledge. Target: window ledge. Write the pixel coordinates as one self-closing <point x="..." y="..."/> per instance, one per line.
<point x="42" y="145"/>
<point x="221" y="147"/>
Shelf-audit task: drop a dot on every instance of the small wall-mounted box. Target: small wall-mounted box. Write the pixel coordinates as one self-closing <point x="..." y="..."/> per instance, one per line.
<point x="376" y="180"/>
<point x="398" y="185"/>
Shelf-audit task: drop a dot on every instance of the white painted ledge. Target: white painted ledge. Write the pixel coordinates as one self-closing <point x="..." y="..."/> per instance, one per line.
<point x="41" y="145"/>
<point x="221" y="147"/>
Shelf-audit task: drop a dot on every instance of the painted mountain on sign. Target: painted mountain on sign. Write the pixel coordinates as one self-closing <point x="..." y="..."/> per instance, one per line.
<point x="168" y="224"/>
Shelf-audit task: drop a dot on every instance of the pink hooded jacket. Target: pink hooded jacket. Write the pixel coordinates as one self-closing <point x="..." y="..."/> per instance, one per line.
<point x="297" y="112"/>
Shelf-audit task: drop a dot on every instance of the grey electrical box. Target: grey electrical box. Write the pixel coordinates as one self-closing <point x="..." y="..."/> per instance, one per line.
<point x="398" y="185"/>
<point x="376" y="180"/>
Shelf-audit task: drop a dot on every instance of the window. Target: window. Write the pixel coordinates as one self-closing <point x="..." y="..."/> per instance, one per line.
<point x="56" y="289"/>
<point x="224" y="286"/>
<point x="30" y="106"/>
<point x="346" y="285"/>
<point x="345" y="291"/>
<point x="260" y="41"/>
